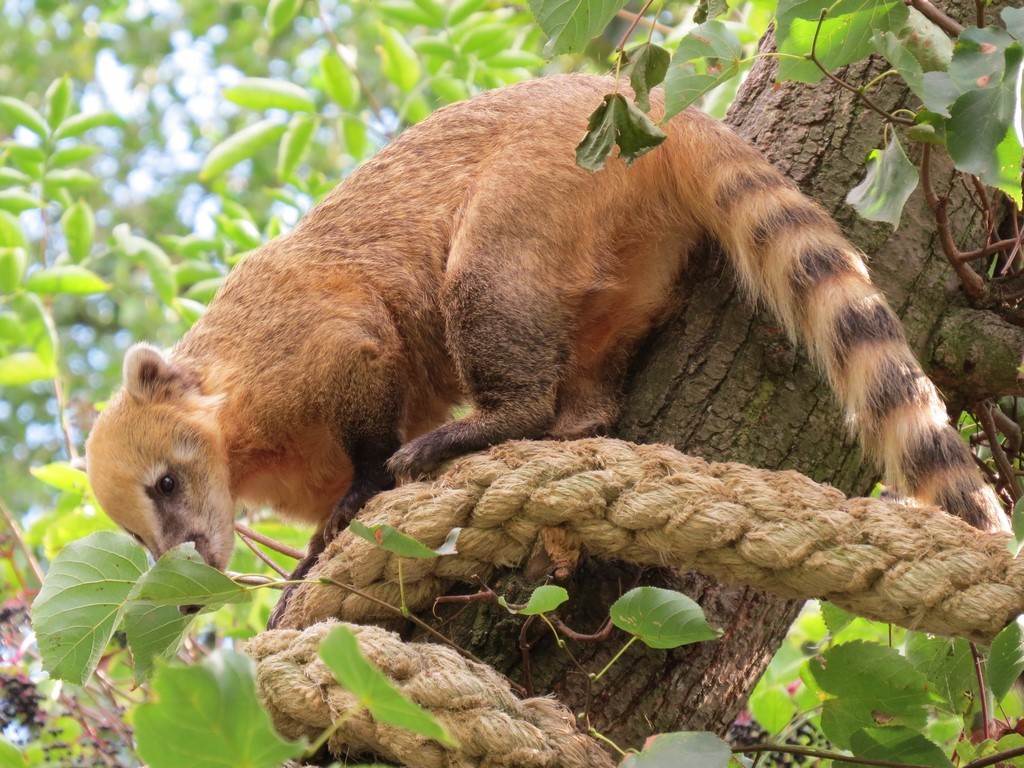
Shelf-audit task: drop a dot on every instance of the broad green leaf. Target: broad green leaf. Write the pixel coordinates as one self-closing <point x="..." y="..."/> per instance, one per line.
<point x="76" y="125"/>
<point x="399" y="61"/>
<point x="153" y="257"/>
<point x="571" y="24"/>
<point x="153" y="631"/>
<point x="266" y="93"/>
<point x="1005" y="660"/>
<point x="340" y="651"/>
<point x="339" y="82"/>
<point x="648" y="64"/>
<point x="241" y="146"/>
<point x="661" y="618"/>
<point x="11" y="329"/>
<point x="928" y="128"/>
<point x="58" y="100"/>
<point x="617" y="121"/>
<point x="188" y="310"/>
<point x="710" y="9"/>
<point x="204" y="290"/>
<point x="71" y="155"/>
<point x="450" y="89"/>
<point x="20" y="368"/>
<point x="902" y="60"/>
<point x="13" y="262"/>
<point x="871" y="684"/>
<point x="898" y="744"/>
<point x="74" y="179"/>
<point x="80" y="603"/>
<point x="926" y="42"/>
<point x="693" y="749"/>
<point x="15" y="112"/>
<point x="1014" y="20"/>
<point x="10" y="755"/>
<point x="354" y="131"/>
<point x="460" y="10"/>
<point x="979" y="58"/>
<point x="938" y="92"/>
<point x="890" y="180"/>
<point x="79" y="226"/>
<point x="836" y="619"/>
<point x="10" y="177"/>
<point x="10" y="231"/>
<point x="844" y="36"/>
<point x="982" y="133"/>
<point x="62" y="476"/>
<point x="391" y="539"/>
<point x="280" y="14"/>
<point x="544" y="599"/>
<point x="208" y="716"/>
<point x="194" y="270"/>
<point x="69" y="279"/>
<point x="708" y="56"/>
<point x="181" y="577"/>
<point x="512" y="59"/>
<point x="294" y="144"/>
<point x="949" y="667"/>
<point x="27" y="159"/>
<point x="18" y="200"/>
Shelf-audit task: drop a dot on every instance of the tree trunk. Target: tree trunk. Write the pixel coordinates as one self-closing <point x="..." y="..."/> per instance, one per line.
<point x="722" y="381"/>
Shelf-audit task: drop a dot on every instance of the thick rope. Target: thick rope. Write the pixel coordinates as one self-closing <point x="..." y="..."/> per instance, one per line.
<point x="493" y="727"/>
<point x="651" y="505"/>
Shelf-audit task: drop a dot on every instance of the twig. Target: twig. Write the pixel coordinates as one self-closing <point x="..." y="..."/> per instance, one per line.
<point x="989" y="250"/>
<point x="417" y="621"/>
<point x="638" y="18"/>
<point x="980" y="673"/>
<point x="1005" y="467"/>
<point x="274" y="544"/>
<point x="973" y="285"/>
<point x="1009" y="428"/>
<point x="337" y="48"/>
<point x="629" y="31"/>
<point x="19" y="537"/>
<point x="979" y="13"/>
<point x="786" y="749"/>
<point x="945" y="23"/>
<point x="601" y="635"/>
<point x="263" y="556"/>
<point x="859" y="92"/>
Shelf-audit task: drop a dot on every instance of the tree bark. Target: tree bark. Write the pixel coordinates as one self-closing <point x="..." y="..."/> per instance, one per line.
<point x="722" y="381"/>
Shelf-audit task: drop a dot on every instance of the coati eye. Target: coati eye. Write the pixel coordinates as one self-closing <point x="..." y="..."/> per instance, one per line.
<point x="166" y="485"/>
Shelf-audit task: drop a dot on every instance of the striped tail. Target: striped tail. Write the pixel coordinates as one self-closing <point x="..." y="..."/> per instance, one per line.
<point x="791" y="256"/>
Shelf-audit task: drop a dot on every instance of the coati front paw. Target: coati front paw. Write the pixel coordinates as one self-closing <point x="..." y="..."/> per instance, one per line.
<point x="414" y="459"/>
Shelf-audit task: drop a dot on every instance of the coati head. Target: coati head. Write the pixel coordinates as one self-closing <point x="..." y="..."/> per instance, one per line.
<point x="157" y="463"/>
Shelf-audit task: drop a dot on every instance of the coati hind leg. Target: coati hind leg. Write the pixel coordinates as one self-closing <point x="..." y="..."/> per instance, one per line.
<point x="509" y="335"/>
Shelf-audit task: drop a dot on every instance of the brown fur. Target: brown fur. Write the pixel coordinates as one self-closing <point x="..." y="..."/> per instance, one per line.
<point x="473" y="258"/>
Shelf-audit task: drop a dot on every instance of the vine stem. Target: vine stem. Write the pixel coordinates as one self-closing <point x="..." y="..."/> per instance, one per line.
<point x="806" y="752"/>
<point x="614" y="658"/>
<point x="19" y="537"/>
<point x="248" y="533"/>
<point x="622" y="42"/>
<point x="947" y="24"/>
<point x="263" y="556"/>
<point x="323" y="738"/>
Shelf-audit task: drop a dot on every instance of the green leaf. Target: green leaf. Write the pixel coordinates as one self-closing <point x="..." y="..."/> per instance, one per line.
<point x="76" y="125"/>
<point x="710" y="9"/>
<point x="9" y="177"/>
<point x="69" y="279"/>
<point x="20" y="368"/>
<point x="74" y="179"/>
<point x="58" y="100"/>
<point x="836" y="619"/>
<point x="1005" y="660"/>
<point x="294" y="144"/>
<point x="693" y="749"/>
<point x="1014" y="20"/>
<point x="17" y="201"/>
<point x="712" y="41"/>
<point x="264" y="93"/>
<point x="208" y="716"/>
<point x="391" y="539"/>
<point x="571" y="24"/>
<point x="871" y="684"/>
<point x="15" y="112"/>
<point x="62" y="476"/>
<point x="181" y="577"/>
<point x="80" y="603"/>
<point x="898" y="745"/>
<point x="979" y="58"/>
<point x="10" y="755"/>
<point x="13" y="262"/>
<point x="648" y="64"/>
<point x="280" y="14"/>
<point x="949" y="667"/>
<point x="902" y="60"/>
<point x="153" y="257"/>
<point x="982" y="133"/>
<point x="938" y="92"/>
<point x="617" y="121"/>
<point x="339" y="82"/>
<point x="1017" y="526"/>
<point x="354" y="131"/>
<point x="399" y="61"/>
<point x="340" y="651"/>
<point x="153" y="631"/>
<point x="79" y="226"/>
<point x="927" y="43"/>
<point x="544" y="599"/>
<point x="71" y="155"/>
<point x="661" y="618"/>
<point x="844" y="37"/>
<point x="890" y="180"/>
<point x="241" y="146"/>
<point x="10" y="231"/>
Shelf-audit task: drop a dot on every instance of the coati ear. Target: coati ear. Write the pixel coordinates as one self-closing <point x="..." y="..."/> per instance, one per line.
<point x="149" y="375"/>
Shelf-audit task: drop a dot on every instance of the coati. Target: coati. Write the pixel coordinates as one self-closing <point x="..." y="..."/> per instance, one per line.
<point x="472" y="259"/>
